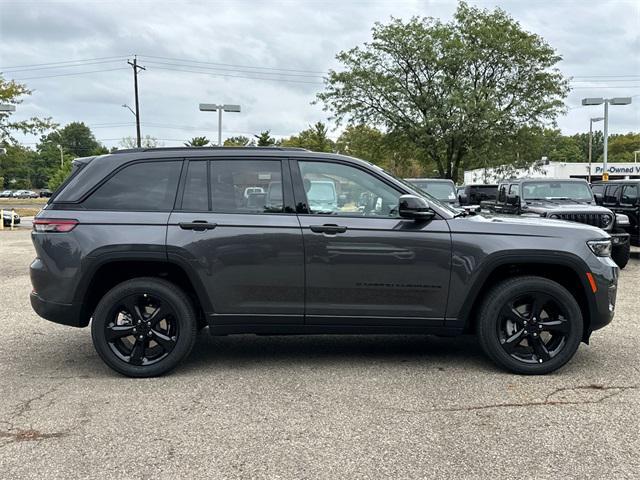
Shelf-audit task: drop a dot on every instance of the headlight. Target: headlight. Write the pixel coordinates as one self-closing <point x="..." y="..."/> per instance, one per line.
<point x="606" y="220"/>
<point x="553" y="215"/>
<point x="601" y="248"/>
<point x="622" y="220"/>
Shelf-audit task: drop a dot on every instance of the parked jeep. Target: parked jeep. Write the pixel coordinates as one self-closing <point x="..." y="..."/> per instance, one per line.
<point x="621" y="196"/>
<point x="475" y="194"/>
<point x="149" y="245"/>
<point x="570" y="200"/>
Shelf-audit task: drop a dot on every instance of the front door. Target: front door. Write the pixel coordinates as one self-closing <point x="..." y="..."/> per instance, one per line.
<point x="364" y="264"/>
<point x="233" y="225"/>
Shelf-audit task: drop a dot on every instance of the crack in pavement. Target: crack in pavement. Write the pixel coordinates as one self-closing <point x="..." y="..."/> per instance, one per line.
<point x="26" y="405"/>
<point x="548" y="399"/>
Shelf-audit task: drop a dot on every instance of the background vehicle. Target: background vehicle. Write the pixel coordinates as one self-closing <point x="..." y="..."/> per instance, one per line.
<point x="6" y="193"/>
<point x="150" y="253"/>
<point x="25" y="194"/>
<point x="476" y="194"/>
<point x="440" y="188"/>
<point x="6" y="218"/>
<point x="571" y="200"/>
<point x="45" y="193"/>
<point x="623" y="197"/>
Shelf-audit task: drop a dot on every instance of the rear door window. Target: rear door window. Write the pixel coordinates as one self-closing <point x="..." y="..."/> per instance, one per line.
<point x="246" y="186"/>
<point x="196" y="195"/>
<point x="144" y="186"/>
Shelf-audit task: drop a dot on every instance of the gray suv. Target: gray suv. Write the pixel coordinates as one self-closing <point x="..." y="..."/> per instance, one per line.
<point x="152" y="245"/>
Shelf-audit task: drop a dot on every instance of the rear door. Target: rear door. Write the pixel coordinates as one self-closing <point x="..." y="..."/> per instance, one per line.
<point x="364" y="264"/>
<point x="234" y="225"/>
<point x="630" y="206"/>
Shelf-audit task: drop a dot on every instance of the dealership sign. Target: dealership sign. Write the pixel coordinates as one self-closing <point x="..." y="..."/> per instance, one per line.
<point x="618" y="169"/>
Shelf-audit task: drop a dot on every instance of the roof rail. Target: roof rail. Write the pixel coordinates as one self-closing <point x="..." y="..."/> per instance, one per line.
<point x="171" y="149"/>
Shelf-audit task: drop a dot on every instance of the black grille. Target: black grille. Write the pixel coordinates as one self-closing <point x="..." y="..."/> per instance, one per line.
<point x="595" y="219"/>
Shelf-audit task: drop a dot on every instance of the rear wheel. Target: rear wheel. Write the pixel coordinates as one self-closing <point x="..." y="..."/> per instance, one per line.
<point x="530" y="325"/>
<point x="144" y="327"/>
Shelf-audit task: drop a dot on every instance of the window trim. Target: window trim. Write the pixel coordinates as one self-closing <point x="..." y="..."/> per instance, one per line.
<point x="183" y="181"/>
<point x="302" y="207"/>
<point x="114" y="172"/>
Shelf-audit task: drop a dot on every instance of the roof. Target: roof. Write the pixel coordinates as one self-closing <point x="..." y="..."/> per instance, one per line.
<point x="213" y="148"/>
<point x="542" y="179"/>
<point x="434" y="180"/>
<point x="629" y="180"/>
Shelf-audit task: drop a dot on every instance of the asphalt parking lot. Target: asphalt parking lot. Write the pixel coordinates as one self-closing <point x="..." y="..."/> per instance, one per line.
<point x="311" y="407"/>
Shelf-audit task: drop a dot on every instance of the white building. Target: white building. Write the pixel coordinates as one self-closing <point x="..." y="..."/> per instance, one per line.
<point x="546" y="169"/>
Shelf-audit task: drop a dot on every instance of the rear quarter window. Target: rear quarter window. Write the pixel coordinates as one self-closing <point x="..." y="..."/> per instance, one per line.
<point x="145" y="186"/>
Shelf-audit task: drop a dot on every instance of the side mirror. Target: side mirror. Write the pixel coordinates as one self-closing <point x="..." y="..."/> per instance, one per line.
<point x="414" y="208"/>
<point x="513" y="199"/>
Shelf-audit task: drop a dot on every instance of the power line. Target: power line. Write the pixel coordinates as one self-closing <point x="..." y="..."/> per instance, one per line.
<point x="72" y="73"/>
<point x="57" y="67"/>
<point x="233" y="65"/>
<point x="239" y="70"/>
<point x="66" y="61"/>
<point x="239" y="76"/>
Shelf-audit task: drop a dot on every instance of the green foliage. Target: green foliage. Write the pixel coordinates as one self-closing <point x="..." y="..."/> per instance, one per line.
<point x="11" y="92"/>
<point x="75" y="139"/>
<point x="239" y="141"/>
<point x="60" y="176"/>
<point x="313" y="138"/>
<point x="449" y="88"/>
<point x="621" y="147"/>
<point x="265" y="139"/>
<point x="197" y="142"/>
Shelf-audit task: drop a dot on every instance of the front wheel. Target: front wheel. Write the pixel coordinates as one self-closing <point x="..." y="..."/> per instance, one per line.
<point x="530" y="325"/>
<point x="144" y="327"/>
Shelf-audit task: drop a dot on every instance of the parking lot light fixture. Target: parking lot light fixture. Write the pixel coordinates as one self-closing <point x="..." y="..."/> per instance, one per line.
<point x="7" y="108"/>
<point x="606" y="101"/>
<point x="591" y="122"/>
<point x="212" y="107"/>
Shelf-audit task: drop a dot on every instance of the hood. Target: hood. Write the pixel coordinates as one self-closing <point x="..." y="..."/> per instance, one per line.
<point x="563" y="206"/>
<point x="531" y="226"/>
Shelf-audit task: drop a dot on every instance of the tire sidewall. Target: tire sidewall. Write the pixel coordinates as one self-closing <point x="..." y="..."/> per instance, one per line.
<point x="489" y="317"/>
<point x="178" y="301"/>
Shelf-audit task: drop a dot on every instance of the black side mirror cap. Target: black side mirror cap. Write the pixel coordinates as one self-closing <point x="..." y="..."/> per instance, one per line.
<point x="414" y="208"/>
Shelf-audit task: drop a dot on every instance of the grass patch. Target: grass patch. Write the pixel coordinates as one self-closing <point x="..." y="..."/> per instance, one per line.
<point x="22" y="201"/>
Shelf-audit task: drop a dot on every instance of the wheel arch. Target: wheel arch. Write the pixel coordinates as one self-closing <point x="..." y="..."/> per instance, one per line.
<point x="566" y="269"/>
<point x="107" y="271"/>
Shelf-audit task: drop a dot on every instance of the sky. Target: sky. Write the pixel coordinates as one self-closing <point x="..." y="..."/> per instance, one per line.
<point x="267" y="56"/>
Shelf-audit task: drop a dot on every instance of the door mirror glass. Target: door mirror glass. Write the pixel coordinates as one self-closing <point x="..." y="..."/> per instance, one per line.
<point x="415" y="208"/>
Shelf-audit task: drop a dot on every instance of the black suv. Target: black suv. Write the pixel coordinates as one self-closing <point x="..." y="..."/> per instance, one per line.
<point x="568" y="199"/>
<point x="621" y="196"/>
<point x="477" y="193"/>
<point x="151" y="245"/>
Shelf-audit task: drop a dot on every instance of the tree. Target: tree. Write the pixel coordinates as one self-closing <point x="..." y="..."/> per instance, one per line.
<point x="238" y="141"/>
<point x="314" y="138"/>
<point x="147" y="142"/>
<point x="449" y="88"/>
<point x="17" y="167"/>
<point x="11" y="93"/>
<point x="621" y="147"/>
<point x="75" y="139"/>
<point x="265" y="139"/>
<point x="197" y="142"/>
<point x="365" y="142"/>
<point x="60" y="175"/>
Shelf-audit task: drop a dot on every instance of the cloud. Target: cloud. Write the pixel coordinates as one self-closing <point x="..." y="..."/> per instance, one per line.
<point x="603" y="39"/>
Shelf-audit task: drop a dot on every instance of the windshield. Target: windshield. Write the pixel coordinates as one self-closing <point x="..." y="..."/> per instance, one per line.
<point x="556" y="191"/>
<point x="444" y="191"/>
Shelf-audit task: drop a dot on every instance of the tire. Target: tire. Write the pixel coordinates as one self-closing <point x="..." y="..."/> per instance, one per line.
<point x="620" y="254"/>
<point x="144" y="327"/>
<point x="564" y="331"/>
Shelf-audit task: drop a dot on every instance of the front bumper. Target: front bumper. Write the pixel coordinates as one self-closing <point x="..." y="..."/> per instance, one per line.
<point x="606" y="279"/>
<point x="65" y="314"/>
<point x="619" y="239"/>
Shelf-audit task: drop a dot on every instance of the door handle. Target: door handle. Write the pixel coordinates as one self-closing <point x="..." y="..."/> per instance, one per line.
<point x="197" y="225"/>
<point x="330" y="228"/>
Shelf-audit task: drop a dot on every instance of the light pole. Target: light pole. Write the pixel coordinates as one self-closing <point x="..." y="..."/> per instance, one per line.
<point x="607" y="102"/>
<point x="7" y="108"/>
<point x="635" y="156"/>
<point x="591" y="122"/>
<point x="212" y="107"/>
<point x="61" y="155"/>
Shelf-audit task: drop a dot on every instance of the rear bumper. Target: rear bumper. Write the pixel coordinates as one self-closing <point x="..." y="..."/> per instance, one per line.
<point x="65" y="314"/>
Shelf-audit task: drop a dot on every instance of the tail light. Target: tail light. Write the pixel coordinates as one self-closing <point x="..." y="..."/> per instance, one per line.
<point x="54" y="225"/>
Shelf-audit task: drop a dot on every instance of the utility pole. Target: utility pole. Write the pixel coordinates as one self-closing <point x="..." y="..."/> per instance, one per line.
<point x="135" y="66"/>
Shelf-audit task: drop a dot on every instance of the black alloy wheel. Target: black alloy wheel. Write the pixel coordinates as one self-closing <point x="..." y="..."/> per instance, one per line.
<point x="530" y="325"/>
<point x="144" y="327"/>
